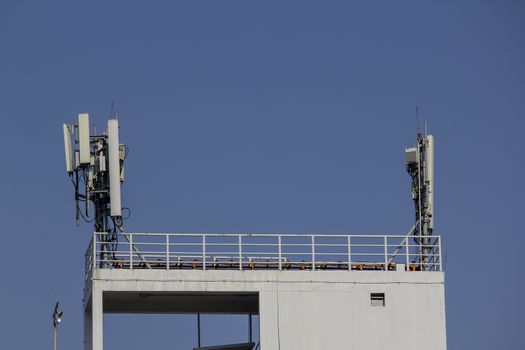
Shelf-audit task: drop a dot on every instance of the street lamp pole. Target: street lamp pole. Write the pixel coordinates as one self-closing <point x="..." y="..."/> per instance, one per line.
<point x="57" y="318"/>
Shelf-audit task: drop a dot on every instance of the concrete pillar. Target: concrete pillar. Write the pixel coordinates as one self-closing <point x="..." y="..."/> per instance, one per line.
<point x="268" y="320"/>
<point x="97" y="315"/>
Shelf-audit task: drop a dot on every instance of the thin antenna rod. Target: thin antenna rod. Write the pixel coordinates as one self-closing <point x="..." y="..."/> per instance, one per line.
<point x="113" y="113"/>
<point x="417" y="118"/>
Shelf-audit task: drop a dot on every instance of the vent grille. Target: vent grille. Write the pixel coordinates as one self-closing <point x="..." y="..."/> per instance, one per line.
<point x="377" y="299"/>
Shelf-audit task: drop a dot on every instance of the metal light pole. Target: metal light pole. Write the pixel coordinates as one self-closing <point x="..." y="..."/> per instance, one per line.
<point x="57" y="318"/>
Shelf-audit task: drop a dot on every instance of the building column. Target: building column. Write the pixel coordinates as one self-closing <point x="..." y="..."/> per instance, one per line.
<point x="268" y="320"/>
<point x="97" y="315"/>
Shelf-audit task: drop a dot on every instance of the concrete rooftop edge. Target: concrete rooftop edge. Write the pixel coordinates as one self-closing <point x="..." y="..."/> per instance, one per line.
<point x="270" y="276"/>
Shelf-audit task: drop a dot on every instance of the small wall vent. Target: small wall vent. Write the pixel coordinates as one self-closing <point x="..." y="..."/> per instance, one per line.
<point x="377" y="299"/>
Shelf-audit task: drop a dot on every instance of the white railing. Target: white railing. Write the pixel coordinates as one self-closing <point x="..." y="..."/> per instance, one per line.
<point x="262" y="251"/>
<point x="89" y="263"/>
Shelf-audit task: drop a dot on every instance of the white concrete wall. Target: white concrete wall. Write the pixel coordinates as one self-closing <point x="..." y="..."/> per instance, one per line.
<point x="311" y="310"/>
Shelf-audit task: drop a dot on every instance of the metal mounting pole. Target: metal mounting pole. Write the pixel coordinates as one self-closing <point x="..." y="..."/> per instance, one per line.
<point x="57" y="318"/>
<point x="250" y="327"/>
<point x="199" y="330"/>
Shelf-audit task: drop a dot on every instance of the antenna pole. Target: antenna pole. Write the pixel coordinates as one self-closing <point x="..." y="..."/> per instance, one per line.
<point x="417" y="119"/>
<point x="420" y="166"/>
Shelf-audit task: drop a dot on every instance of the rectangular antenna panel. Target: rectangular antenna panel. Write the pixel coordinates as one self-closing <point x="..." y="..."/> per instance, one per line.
<point x="67" y="149"/>
<point x="429" y="159"/>
<point x="114" y="167"/>
<point x="83" y="138"/>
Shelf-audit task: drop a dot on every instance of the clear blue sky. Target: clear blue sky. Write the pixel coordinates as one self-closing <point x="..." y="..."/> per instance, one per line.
<point x="264" y="116"/>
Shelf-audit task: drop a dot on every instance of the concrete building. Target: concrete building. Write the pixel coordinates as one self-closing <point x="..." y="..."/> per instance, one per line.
<point x="310" y="291"/>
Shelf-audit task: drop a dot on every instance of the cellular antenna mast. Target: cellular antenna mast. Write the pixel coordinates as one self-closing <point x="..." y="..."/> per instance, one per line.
<point x="95" y="164"/>
<point x="420" y="167"/>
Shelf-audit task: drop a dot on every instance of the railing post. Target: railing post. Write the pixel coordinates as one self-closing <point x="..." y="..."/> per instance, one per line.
<point x="130" y="251"/>
<point x="432" y="252"/>
<point x="313" y="252"/>
<point x="167" y="251"/>
<point x="94" y="252"/>
<point x="386" y="252"/>
<point x="407" y="254"/>
<point x="204" y="252"/>
<point x="240" y="252"/>
<point x="349" y="255"/>
<point x="439" y="247"/>
<point x="280" y="253"/>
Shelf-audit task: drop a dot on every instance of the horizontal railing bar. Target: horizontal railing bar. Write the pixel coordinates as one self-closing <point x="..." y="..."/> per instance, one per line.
<point x="174" y="254"/>
<point x="245" y="254"/>
<point x="234" y="250"/>
<point x="272" y="261"/>
<point x="290" y="235"/>
<point x="196" y="244"/>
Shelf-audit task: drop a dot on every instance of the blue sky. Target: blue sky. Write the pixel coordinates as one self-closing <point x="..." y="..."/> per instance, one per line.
<point x="275" y="116"/>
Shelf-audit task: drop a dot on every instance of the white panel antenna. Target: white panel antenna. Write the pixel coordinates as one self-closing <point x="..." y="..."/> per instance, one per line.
<point x="429" y="158"/>
<point x="114" y="167"/>
<point x="83" y="138"/>
<point x="67" y="149"/>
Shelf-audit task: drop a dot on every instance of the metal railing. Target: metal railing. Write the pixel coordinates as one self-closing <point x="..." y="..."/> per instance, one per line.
<point x="89" y="263"/>
<point x="171" y="251"/>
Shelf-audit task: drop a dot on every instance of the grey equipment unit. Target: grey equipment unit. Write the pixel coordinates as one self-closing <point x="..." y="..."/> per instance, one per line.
<point x="95" y="164"/>
<point x="420" y="167"/>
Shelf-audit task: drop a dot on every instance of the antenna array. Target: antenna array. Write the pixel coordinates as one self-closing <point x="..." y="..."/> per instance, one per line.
<point x="95" y="164"/>
<point x="420" y="167"/>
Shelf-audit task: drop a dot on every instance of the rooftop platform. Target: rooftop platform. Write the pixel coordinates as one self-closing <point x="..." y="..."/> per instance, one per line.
<point x="310" y="291"/>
